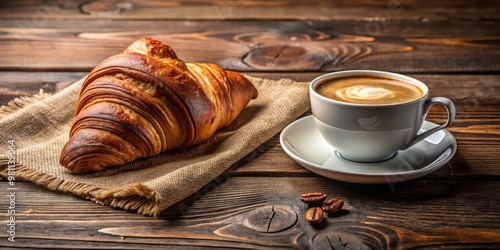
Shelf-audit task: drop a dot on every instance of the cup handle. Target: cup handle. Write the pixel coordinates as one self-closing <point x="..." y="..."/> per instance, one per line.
<point x="450" y="108"/>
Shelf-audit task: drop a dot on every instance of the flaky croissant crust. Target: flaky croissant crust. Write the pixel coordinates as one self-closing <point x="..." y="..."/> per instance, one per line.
<point x="146" y="101"/>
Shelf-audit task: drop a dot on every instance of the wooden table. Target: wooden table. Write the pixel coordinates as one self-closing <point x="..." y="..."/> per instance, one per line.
<point x="452" y="45"/>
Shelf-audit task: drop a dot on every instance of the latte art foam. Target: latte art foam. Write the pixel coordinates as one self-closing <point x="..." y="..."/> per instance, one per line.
<point x="369" y="90"/>
<point x="364" y="93"/>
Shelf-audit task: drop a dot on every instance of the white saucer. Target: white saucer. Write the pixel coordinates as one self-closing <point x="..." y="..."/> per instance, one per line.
<point x="303" y="143"/>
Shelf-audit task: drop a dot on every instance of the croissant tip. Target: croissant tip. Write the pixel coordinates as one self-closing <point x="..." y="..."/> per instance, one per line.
<point x="237" y="77"/>
<point x="82" y="168"/>
<point x="78" y="167"/>
<point x="255" y="93"/>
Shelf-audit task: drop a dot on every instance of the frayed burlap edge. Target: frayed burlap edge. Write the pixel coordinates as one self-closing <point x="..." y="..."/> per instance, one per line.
<point x="136" y="197"/>
<point x="21" y="102"/>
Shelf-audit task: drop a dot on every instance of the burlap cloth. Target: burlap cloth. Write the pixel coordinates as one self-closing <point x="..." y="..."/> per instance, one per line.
<point x="148" y="185"/>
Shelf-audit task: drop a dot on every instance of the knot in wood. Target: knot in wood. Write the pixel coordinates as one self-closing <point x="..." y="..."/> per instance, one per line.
<point x="338" y="240"/>
<point x="103" y="7"/>
<point x="271" y="218"/>
<point x="279" y="57"/>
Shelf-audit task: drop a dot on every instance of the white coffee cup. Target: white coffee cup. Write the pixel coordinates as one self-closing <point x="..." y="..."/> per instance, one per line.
<point x="373" y="132"/>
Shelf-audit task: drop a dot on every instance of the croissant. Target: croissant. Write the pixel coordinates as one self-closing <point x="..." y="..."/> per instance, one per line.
<point x="145" y="101"/>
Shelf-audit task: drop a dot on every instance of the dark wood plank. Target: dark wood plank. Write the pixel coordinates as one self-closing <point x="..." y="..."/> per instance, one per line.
<point x="421" y="213"/>
<point x="402" y="46"/>
<point x="248" y="9"/>
<point x="15" y="84"/>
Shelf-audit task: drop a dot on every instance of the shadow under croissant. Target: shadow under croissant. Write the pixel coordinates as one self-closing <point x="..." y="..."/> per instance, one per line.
<point x="185" y="154"/>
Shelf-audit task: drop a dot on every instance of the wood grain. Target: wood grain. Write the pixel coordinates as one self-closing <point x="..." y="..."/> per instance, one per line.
<point x="248" y="9"/>
<point x="373" y="217"/>
<point x="258" y="45"/>
<point x="15" y="84"/>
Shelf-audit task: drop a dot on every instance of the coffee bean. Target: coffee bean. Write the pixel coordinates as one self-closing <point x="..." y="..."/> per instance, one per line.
<point x="313" y="199"/>
<point x="314" y="215"/>
<point x="333" y="205"/>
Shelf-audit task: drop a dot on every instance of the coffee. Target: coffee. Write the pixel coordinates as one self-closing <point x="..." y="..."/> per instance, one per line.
<point x="369" y="90"/>
<point x="360" y="131"/>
